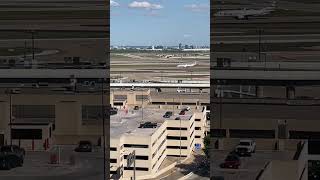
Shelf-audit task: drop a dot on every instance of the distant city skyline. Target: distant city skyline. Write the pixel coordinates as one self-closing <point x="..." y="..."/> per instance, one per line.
<point x="160" y="22"/>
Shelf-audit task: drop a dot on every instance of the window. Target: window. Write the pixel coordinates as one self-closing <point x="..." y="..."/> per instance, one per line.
<point x="113" y="149"/>
<point x="218" y="132"/>
<point x="197" y="128"/>
<point x="92" y="113"/>
<point x="176" y="128"/>
<point x="245" y="133"/>
<point x="120" y="97"/>
<point x="138" y="157"/>
<point x="135" y="146"/>
<point x="113" y="172"/>
<point x="154" y="154"/>
<point x="197" y="119"/>
<point x="177" y="155"/>
<point x="118" y="103"/>
<point x="137" y="168"/>
<point x="192" y="124"/>
<point x="314" y="147"/>
<point x="164" y="140"/>
<point x="26" y="133"/>
<point x="113" y="160"/>
<point x="304" y="135"/>
<point x="154" y="143"/>
<point x="197" y="136"/>
<point x="33" y="111"/>
<point x="158" y="103"/>
<point x="177" y="137"/>
<point x="177" y="147"/>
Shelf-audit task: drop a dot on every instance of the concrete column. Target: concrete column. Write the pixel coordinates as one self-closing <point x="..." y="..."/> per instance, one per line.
<point x="227" y="133"/>
<point x="281" y="144"/>
<point x="111" y="99"/>
<point x="131" y="98"/>
<point x="290" y="92"/>
<point x="259" y="91"/>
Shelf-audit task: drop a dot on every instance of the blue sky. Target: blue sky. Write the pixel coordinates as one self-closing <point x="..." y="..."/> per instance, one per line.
<point x="160" y="22"/>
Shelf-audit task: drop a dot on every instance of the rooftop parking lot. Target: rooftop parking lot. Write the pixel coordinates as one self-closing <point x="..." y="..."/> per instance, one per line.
<point x="37" y="167"/>
<point x="250" y="166"/>
<point x="128" y="121"/>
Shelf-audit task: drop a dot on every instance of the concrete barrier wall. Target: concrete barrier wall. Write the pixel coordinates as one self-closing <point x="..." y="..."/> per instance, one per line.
<point x="284" y="170"/>
<point x="27" y="144"/>
<point x="266" y="173"/>
<point x="262" y="144"/>
<point x="265" y="144"/>
<point x="291" y="144"/>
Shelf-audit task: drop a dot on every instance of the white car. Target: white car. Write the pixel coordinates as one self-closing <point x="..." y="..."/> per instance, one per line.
<point x="245" y="147"/>
<point x="186" y="108"/>
<point x="181" y="90"/>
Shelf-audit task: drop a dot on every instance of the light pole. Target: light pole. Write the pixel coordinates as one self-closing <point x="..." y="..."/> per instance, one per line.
<point x="260" y="31"/>
<point x="10" y="101"/>
<point x="180" y="140"/>
<point x="142" y="104"/>
<point x="103" y="129"/>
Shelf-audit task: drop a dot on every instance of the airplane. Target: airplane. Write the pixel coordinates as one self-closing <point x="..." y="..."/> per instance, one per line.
<point x="245" y="13"/>
<point x="187" y="65"/>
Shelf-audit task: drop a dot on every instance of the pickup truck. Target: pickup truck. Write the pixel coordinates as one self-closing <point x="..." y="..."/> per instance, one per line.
<point x="245" y="147"/>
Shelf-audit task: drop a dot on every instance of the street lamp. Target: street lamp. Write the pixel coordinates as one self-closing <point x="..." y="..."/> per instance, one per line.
<point x="9" y="92"/>
<point x="260" y="31"/>
<point x="103" y="128"/>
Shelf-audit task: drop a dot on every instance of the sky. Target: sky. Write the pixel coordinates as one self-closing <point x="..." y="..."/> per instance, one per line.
<point x="160" y="22"/>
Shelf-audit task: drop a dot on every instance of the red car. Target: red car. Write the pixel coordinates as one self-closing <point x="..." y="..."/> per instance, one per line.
<point x="231" y="161"/>
<point x="182" y="113"/>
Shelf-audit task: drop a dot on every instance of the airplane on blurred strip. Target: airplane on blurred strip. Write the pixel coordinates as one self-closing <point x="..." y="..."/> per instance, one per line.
<point x="187" y="65"/>
<point x="246" y="13"/>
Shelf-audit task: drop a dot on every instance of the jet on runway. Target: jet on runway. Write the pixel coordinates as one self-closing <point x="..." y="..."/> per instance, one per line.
<point x="246" y="13"/>
<point x="187" y="65"/>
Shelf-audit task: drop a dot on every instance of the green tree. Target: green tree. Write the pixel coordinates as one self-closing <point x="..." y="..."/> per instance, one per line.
<point x="206" y="142"/>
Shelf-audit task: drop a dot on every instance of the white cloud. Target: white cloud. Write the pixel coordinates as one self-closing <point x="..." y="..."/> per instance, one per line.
<point x="187" y="35"/>
<point x="144" y="5"/>
<point x="114" y="3"/>
<point x="198" y="7"/>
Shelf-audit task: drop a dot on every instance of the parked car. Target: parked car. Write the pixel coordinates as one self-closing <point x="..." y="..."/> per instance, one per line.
<point x="231" y="161"/>
<point x="114" y="109"/>
<point x="168" y="114"/>
<point x="187" y="108"/>
<point x="179" y="90"/>
<point x="9" y="161"/>
<point x="182" y="113"/>
<point x="84" y="146"/>
<point x="5" y="162"/>
<point x="14" y="153"/>
<point x="245" y="147"/>
<point x="113" y="112"/>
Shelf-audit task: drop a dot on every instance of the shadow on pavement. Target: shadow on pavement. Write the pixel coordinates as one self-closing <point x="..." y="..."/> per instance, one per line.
<point x="199" y="166"/>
